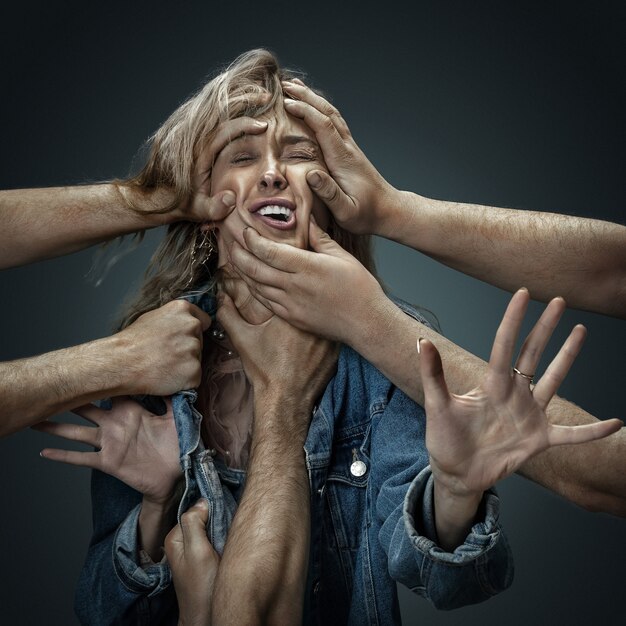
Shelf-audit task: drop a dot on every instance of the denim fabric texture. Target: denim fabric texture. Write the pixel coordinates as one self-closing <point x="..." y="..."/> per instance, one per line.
<point x="369" y="528"/>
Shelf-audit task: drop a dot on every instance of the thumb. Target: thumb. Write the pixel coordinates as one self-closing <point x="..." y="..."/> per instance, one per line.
<point x="205" y="318"/>
<point x="229" y="317"/>
<point x="193" y="524"/>
<point x="324" y="186"/>
<point x="195" y="519"/>
<point x="219" y="206"/>
<point x="431" y="370"/>
<point x="194" y="529"/>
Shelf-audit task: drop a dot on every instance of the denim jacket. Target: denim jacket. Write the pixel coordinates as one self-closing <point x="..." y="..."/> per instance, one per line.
<point x="371" y="516"/>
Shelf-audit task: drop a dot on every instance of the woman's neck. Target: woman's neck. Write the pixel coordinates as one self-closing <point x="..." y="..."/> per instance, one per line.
<point x="226" y="403"/>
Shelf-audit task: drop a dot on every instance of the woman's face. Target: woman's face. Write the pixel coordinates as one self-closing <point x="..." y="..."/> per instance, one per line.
<point x="267" y="172"/>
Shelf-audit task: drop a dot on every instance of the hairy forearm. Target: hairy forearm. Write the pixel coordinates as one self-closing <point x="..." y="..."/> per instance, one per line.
<point x="590" y="475"/>
<point x="263" y="569"/>
<point x="35" y="388"/>
<point x="43" y="223"/>
<point x="583" y="260"/>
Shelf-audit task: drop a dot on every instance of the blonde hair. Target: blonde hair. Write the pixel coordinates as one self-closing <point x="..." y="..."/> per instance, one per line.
<point x="250" y="86"/>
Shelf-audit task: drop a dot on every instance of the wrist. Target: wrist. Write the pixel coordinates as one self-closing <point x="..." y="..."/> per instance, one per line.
<point x="401" y="217"/>
<point x="273" y="400"/>
<point x="389" y="212"/>
<point x="97" y="364"/>
<point x="123" y="371"/>
<point x="167" y="498"/>
<point x="159" y="505"/>
<point x="281" y="420"/>
<point x="370" y="322"/>
<point x="455" y="514"/>
<point x="130" y="365"/>
<point x="456" y="498"/>
<point x="156" y="518"/>
<point x="150" y="207"/>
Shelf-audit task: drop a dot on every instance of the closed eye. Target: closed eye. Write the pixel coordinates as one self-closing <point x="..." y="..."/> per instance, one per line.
<point x="242" y="157"/>
<point x="302" y="155"/>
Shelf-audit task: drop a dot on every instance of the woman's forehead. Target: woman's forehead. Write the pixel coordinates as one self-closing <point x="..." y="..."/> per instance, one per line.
<point x="280" y="126"/>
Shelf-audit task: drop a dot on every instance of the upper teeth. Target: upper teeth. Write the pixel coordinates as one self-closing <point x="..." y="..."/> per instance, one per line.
<point x="272" y="209"/>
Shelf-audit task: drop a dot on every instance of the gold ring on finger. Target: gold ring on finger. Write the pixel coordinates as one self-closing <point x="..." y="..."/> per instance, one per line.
<point x="529" y="377"/>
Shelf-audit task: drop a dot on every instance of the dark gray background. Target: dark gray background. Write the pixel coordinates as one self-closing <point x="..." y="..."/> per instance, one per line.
<point x="515" y="104"/>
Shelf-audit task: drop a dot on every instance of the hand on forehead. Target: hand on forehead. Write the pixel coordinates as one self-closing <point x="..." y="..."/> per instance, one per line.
<point x="227" y="131"/>
<point x="281" y="129"/>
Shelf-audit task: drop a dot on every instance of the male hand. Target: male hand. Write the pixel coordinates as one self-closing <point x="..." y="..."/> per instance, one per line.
<point x="355" y="192"/>
<point x="194" y="565"/>
<point x="133" y="445"/>
<point x="478" y="438"/>
<point x="160" y="352"/>
<point x="199" y="206"/>
<point x="321" y="292"/>
<point x="202" y="207"/>
<point x="279" y="360"/>
<point x="251" y="309"/>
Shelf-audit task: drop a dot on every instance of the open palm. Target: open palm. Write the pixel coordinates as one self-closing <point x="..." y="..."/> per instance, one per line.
<point x="478" y="438"/>
<point x="133" y="445"/>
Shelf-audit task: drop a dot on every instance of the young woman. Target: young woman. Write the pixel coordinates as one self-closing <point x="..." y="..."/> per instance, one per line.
<point x="378" y="511"/>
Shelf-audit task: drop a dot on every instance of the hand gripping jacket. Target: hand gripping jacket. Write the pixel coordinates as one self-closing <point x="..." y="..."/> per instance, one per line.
<point x="372" y="520"/>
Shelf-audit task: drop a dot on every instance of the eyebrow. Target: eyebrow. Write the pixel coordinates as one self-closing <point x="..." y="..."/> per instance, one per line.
<point x="289" y="140"/>
<point x="230" y="143"/>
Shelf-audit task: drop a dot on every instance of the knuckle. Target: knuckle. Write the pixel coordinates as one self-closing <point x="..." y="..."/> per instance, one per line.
<point x="270" y="254"/>
<point x="195" y="325"/>
<point x="250" y="270"/>
<point x="328" y="125"/>
<point x="178" y="306"/>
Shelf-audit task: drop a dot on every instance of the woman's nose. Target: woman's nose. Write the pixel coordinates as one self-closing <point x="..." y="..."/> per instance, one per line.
<point x="272" y="178"/>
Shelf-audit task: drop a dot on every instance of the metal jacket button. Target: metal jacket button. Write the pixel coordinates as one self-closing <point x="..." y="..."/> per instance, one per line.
<point x="358" y="468"/>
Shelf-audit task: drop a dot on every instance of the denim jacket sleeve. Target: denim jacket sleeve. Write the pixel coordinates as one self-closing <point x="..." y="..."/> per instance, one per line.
<point x="479" y="568"/>
<point x="113" y="588"/>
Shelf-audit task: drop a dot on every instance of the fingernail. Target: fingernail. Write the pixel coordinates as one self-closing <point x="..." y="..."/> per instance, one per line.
<point x="260" y="123"/>
<point x="314" y="179"/>
<point x="419" y="349"/>
<point x="289" y="101"/>
<point x="229" y="199"/>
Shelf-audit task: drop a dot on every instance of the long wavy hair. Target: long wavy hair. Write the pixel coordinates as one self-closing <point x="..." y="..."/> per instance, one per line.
<point x="250" y="86"/>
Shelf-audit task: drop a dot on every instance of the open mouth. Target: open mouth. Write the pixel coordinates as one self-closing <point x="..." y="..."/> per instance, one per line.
<point x="275" y="212"/>
<point x="279" y="214"/>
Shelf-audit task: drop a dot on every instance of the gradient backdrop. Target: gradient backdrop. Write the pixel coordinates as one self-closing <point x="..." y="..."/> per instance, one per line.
<point x="516" y="104"/>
